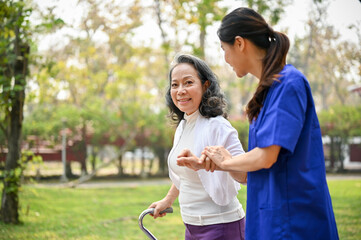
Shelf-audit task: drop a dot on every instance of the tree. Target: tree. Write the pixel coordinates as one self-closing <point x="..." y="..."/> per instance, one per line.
<point x="271" y="10"/>
<point x="16" y="41"/>
<point x="187" y="21"/>
<point x="15" y="48"/>
<point x="329" y="63"/>
<point x="161" y="138"/>
<point x="340" y="129"/>
<point x="106" y="82"/>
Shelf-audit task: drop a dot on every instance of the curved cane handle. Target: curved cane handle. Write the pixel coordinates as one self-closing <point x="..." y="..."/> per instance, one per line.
<point x="150" y="211"/>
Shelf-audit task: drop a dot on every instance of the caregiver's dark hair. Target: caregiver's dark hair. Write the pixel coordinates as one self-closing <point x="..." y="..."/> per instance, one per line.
<point x="213" y="102"/>
<point x="247" y="23"/>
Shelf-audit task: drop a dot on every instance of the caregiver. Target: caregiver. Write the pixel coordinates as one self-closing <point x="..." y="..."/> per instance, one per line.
<point x="287" y="192"/>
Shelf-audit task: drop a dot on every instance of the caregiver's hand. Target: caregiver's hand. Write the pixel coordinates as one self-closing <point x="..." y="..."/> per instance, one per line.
<point x="217" y="154"/>
<point x="187" y="159"/>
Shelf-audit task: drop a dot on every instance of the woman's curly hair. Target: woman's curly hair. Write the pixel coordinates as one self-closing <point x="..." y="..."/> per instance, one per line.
<point x="213" y="101"/>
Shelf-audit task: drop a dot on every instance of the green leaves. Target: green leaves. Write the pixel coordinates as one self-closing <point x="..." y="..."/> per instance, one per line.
<point x="341" y="121"/>
<point x="51" y="25"/>
<point x="272" y="10"/>
<point x="328" y="62"/>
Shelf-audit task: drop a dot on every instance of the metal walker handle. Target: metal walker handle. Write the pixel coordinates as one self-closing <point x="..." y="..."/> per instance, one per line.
<point x="143" y="214"/>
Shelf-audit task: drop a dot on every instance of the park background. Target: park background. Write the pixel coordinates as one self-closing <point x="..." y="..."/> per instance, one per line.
<point x="89" y="79"/>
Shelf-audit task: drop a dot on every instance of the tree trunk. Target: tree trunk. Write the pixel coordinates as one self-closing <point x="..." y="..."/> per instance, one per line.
<point x="309" y="50"/>
<point x="68" y="170"/>
<point x="151" y="162"/>
<point x="332" y="153"/>
<point x="120" y="165"/>
<point x="340" y="153"/>
<point x="165" y="43"/>
<point x="143" y="174"/>
<point x="83" y="152"/>
<point x="162" y="156"/>
<point x="10" y="198"/>
<point x="202" y="39"/>
<point x="93" y="157"/>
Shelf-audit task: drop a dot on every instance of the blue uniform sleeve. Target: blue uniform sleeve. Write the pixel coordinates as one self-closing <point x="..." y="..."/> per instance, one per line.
<point x="284" y="115"/>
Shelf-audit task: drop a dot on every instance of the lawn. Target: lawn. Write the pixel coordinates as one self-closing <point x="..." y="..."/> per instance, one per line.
<point x="112" y="213"/>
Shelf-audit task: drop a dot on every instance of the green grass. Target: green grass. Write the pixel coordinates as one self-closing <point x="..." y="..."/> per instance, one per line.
<point x="346" y="201"/>
<point x="112" y="213"/>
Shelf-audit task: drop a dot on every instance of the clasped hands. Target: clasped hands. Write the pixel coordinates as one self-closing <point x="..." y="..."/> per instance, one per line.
<point x="211" y="159"/>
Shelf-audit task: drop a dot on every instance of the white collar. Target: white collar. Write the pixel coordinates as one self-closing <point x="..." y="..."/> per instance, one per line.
<point x="191" y="118"/>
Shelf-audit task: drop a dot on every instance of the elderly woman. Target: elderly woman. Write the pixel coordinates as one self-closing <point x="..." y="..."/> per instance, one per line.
<point x="208" y="200"/>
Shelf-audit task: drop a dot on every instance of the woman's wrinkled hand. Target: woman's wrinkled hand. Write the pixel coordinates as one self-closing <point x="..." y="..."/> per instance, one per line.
<point x="187" y="159"/>
<point x="160" y="206"/>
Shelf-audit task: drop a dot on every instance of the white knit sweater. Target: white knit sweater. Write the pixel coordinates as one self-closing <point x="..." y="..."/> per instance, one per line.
<point x="205" y="198"/>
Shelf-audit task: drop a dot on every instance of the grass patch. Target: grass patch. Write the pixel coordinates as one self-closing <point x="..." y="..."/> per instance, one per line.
<point x="346" y="201"/>
<point x="112" y="213"/>
<point x="109" y="213"/>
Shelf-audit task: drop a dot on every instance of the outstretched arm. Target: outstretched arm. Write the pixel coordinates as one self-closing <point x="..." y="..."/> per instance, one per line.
<point x="256" y="159"/>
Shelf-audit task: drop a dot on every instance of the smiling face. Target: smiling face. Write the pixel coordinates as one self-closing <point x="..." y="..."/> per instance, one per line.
<point x="186" y="88"/>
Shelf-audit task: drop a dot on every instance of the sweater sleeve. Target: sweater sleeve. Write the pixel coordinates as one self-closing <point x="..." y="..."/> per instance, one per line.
<point x="225" y="135"/>
<point x="220" y="186"/>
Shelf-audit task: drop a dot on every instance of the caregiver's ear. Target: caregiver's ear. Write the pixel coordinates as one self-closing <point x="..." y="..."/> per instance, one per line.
<point x="239" y="42"/>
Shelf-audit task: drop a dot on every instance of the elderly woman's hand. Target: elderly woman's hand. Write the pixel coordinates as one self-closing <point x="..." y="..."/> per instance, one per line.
<point x="187" y="159"/>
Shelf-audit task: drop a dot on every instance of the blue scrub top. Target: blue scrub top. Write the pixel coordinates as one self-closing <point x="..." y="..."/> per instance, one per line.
<point x="291" y="199"/>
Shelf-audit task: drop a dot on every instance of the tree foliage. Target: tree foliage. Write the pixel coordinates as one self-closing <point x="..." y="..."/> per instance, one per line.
<point x="328" y="62"/>
<point x="340" y="124"/>
<point x="109" y="83"/>
<point x="341" y="121"/>
<point x="272" y="10"/>
<point x="100" y="85"/>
